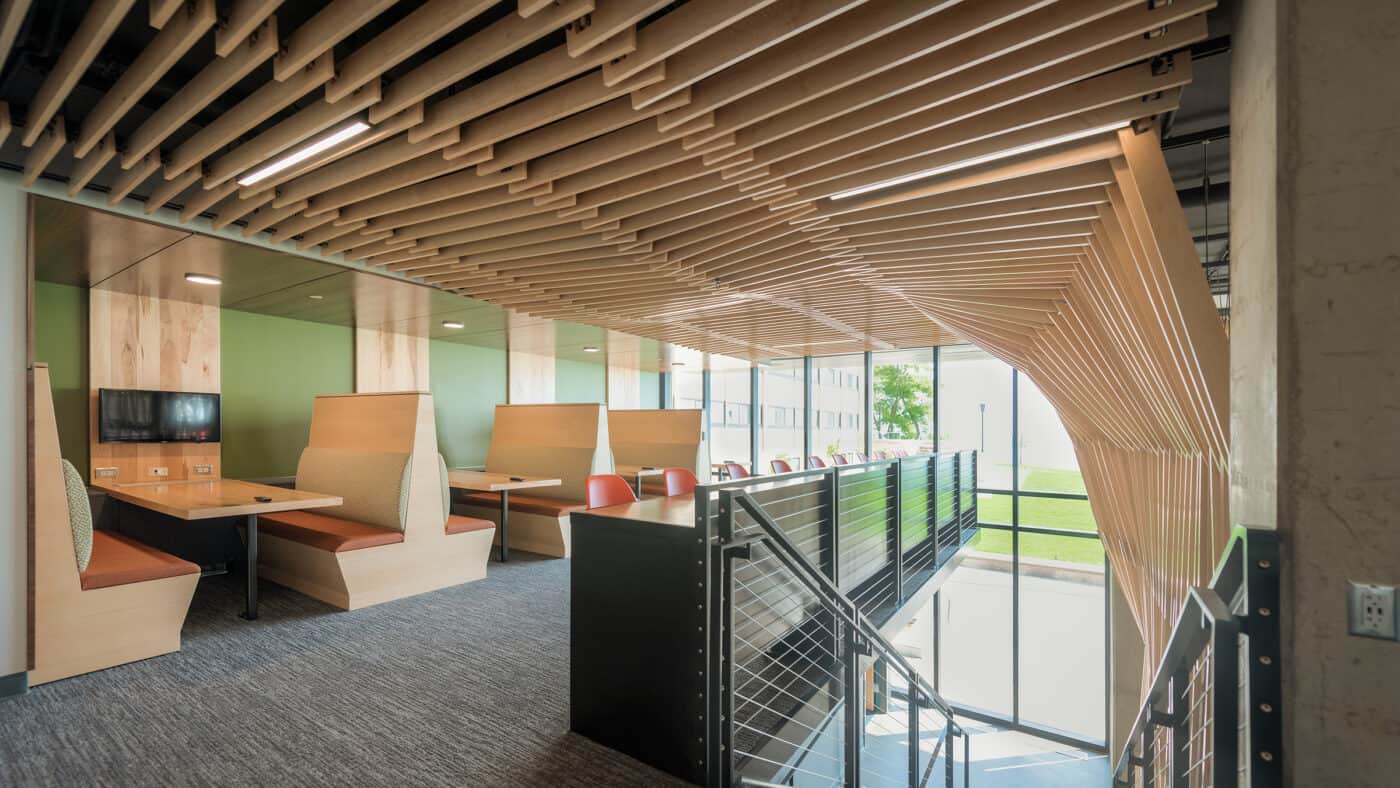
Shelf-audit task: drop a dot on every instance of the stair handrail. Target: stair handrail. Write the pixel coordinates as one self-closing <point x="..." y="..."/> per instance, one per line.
<point x="824" y="588"/>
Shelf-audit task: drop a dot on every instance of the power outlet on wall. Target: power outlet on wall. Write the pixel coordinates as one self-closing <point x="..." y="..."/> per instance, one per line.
<point x="160" y="471"/>
<point x="105" y="473"/>
<point x="1371" y="611"/>
<point x="204" y="470"/>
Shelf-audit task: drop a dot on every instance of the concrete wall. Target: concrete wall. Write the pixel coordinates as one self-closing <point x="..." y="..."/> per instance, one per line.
<point x="14" y="445"/>
<point x="1316" y="341"/>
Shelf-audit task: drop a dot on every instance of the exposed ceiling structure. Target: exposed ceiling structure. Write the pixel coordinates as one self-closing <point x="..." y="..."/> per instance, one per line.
<point x="676" y="170"/>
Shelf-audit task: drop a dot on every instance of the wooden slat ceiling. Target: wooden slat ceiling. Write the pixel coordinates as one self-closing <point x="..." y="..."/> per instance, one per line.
<point x="663" y="169"/>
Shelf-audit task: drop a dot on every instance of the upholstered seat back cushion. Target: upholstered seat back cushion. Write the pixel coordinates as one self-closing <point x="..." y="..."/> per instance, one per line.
<point x="79" y="514"/>
<point x="571" y="465"/>
<point x="373" y="484"/>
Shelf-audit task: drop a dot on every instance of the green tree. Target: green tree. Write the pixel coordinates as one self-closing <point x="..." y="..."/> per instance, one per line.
<point x="903" y="398"/>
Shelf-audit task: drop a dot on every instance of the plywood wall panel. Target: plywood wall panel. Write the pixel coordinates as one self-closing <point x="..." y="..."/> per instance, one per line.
<point x="144" y="342"/>
<point x="388" y="361"/>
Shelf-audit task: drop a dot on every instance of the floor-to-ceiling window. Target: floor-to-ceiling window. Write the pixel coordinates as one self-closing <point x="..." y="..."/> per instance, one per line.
<point x="781" y="413"/>
<point x="730" y="418"/>
<point x="902" y="406"/>
<point x="1021" y="623"/>
<point x="838" y="404"/>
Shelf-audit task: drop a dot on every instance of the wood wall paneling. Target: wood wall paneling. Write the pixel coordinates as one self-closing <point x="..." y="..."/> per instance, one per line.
<point x="389" y="361"/>
<point x="144" y="342"/>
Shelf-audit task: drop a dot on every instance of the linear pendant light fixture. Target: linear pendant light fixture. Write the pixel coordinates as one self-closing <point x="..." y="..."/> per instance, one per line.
<point x="976" y="160"/>
<point x="302" y="154"/>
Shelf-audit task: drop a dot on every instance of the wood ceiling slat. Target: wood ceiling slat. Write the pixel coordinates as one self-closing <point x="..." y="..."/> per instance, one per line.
<point x="168" y="46"/>
<point x="420" y="28"/>
<point x="262" y="104"/>
<point x="128" y="180"/>
<point x="476" y="52"/>
<point x="101" y="19"/>
<point x="363" y="165"/>
<point x="162" y="10"/>
<point x="213" y="80"/>
<point x="44" y="150"/>
<point x="85" y="169"/>
<point x="244" y="16"/>
<point x="319" y="34"/>
<point x="607" y="20"/>
<point x="165" y="191"/>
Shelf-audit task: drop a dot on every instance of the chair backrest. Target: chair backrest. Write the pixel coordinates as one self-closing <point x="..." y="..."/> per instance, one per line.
<point x="882" y="455"/>
<point x="736" y="471"/>
<point x="860" y="457"/>
<point x="781" y="466"/>
<point x="680" y="481"/>
<point x="815" y="462"/>
<point x="838" y="459"/>
<point x="607" y="489"/>
<point x="901" y="453"/>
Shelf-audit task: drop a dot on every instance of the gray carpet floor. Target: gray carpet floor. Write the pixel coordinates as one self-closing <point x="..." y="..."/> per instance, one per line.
<point x="468" y="686"/>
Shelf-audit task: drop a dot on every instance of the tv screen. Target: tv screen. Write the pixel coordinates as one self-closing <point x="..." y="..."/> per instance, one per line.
<point x="137" y="416"/>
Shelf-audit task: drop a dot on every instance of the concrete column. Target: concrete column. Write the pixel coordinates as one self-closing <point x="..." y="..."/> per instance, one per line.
<point x="1315" y="356"/>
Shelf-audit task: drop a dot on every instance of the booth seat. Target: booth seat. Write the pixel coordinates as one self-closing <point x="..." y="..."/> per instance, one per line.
<point x="100" y="599"/>
<point x="393" y="536"/>
<point x="568" y="442"/>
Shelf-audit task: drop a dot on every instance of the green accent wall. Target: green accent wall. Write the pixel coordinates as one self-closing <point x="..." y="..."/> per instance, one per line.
<point x="651" y="389"/>
<point x="61" y="339"/>
<point x="467" y="383"/>
<point x="271" y="369"/>
<point x="578" y="381"/>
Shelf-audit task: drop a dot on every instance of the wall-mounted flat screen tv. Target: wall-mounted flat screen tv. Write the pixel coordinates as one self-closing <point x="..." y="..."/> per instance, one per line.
<point x="139" y="416"/>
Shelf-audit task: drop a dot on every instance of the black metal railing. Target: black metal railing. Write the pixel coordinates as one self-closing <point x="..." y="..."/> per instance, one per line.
<point x="803" y="687"/>
<point x="1213" y="715"/>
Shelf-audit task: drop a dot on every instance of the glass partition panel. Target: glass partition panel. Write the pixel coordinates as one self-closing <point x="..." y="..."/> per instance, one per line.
<point x="974" y="629"/>
<point x="903" y="400"/>
<point x="687" y="389"/>
<point x="974" y="411"/>
<point x="1062" y="634"/>
<point x="729" y="415"/>
<point x="838" y="404"/>
<point x="780" y="414"/>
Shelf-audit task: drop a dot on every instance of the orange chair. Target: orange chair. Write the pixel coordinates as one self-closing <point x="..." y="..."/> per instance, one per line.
<point x="860" y="457"/>
<point x="815" y="462"/>
<point x="607" y="489"/>
<point x="882" y="455"/>
<point x="736" y="471"/>
<point x="680" y="481"/>
<point x="781" y="466"/>
<point x="838" y="459"/>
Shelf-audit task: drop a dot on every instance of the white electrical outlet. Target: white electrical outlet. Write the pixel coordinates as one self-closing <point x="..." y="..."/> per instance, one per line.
<point x="203" y="470"/>
<point x="105" y="473"/>
<point x="160" y="471"/>
<point x="1371" y="611"/>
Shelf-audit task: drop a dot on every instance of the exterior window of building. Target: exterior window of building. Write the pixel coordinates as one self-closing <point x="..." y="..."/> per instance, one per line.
<point x="687" y="389"/>
<point x="841" y="392"/>
<point x="729" y="409"/>
<point x="903" y="400"/>
<point x="780" y="389"/>
<point x="1035" y="569"/>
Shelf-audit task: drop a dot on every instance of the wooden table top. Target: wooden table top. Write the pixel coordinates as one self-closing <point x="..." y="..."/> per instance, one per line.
<point x="202" y="499"/>
<point x="496" y="482"/>
<point x="638" y="470"/>
<point x="677" y="511"/>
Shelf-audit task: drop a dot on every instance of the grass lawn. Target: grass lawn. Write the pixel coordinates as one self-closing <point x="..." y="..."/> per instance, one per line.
<point x="1045" y="512"/>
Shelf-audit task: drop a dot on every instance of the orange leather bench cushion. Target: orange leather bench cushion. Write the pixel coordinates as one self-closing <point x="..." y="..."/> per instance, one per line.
<point x="527" y="504"/>
<point x="326" y="533"/>
<point x="457" y="524"/>
<point x="117" y="561"/>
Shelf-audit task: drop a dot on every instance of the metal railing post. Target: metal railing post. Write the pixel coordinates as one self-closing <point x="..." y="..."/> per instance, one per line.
<point x="855" y="706"/>
<point x="913" y="728"/>
<point x="896" y="536"/>
<point x="1180" y="723"/>
<point x="949" y="753"/>
<point x="723" y="680"/>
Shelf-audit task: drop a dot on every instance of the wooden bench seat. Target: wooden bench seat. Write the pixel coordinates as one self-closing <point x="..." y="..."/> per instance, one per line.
<point x="118" y="561"/>
<point x="525" y="504"/>
<point x="324" y="532"/>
